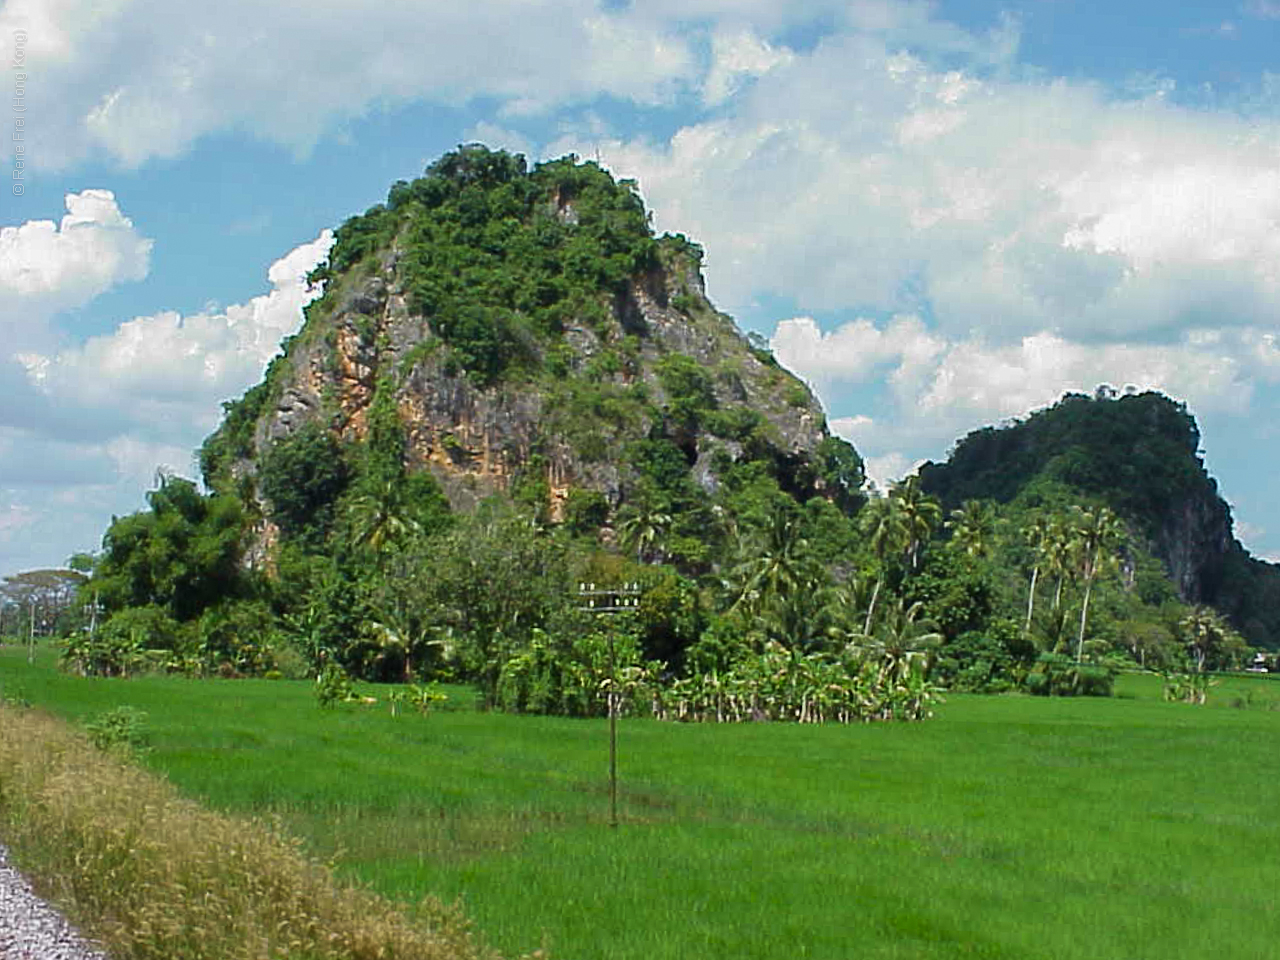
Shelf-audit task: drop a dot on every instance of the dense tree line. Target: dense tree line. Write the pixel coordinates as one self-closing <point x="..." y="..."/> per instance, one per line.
<point x="794" y="611"/>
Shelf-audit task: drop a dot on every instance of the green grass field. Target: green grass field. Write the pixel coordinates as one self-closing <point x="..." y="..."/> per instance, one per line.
<point x="1005" y="827"/>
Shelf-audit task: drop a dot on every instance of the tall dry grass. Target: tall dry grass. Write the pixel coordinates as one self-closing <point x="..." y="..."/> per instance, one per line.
<point x="152" y="876"/>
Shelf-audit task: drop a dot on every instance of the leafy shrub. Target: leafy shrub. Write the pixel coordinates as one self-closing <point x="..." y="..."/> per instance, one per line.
<point x="121" y="727"/>
<point x="237" y="635"/>
<point x="592" y="448"/>
<point x="570" y="676"/>
<point x="1056" y="675"/>
<point x="975" y="662"/>
<point x="585" y="511"/>
<point x="182" y="554"/>
<point x="781" y="684"/>
<point x="689" y="390"/>
<point x="132" y="640"/>
<point x="288" y="662"/>
<point x="842" y="472"/>
<point x="1188" y="687"/>
<point x="333" y="686"/>
<point x="685" y="303"/>
<point x="425" y="697"/>
<point x="689" y="552"/>
<point x="797" y="394"/>
<point x="662" y="463"/>
<point x="302" y="476"/>
<point x="734" y="423"/>
<point x="421" y="698"/>
<point x="485" y="341"/>
<point x="14" y="696"/>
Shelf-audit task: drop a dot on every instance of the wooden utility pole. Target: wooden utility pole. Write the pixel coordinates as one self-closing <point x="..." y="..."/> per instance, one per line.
<point x="624" y="599"/>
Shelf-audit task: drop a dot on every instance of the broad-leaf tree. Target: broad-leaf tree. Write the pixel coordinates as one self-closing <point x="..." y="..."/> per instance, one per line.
<point x="183" y="554"/>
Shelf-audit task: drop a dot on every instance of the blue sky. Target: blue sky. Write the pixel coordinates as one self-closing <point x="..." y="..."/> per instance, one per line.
<point x="943" y="215"/>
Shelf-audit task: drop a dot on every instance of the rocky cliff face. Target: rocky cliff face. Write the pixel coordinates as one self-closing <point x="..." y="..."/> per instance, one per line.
<point x="1194" y="539"/>
<point x="646" y="357"/>
<point x="474" y="438"/>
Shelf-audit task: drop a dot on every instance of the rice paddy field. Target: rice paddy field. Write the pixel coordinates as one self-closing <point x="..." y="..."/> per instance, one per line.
<point x="1005" y="827"/>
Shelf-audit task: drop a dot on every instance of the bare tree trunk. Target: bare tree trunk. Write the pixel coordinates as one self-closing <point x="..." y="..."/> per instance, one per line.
<point x="1031" y="597"/>
<point x="872" y="608"/>
<point x="1084" y="616"/>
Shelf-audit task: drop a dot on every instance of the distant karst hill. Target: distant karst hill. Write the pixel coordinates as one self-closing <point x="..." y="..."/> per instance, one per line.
<point x="1140" y="455"/>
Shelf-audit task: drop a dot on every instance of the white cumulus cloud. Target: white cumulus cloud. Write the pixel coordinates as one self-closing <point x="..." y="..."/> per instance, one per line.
<point x="134" y="80"/>
<point x="941" y="386"/>
<point x="93" y="422"/>
<point x="736" y="57"/>
<point x="858" y="351"/>
<point x="935" y="390"/>
<point x="166" y="374"/>
<point x="862" y="177"/>
<point x="46" y="267"/>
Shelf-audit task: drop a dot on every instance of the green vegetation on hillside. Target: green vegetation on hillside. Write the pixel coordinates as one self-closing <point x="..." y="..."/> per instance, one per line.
<point x="501" y="258"/>
<point x="1138" y="453"/>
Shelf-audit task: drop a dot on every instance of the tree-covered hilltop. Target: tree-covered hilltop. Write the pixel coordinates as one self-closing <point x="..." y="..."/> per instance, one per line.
<point x="1138" y="453"/>
<point x="510" y="389"/>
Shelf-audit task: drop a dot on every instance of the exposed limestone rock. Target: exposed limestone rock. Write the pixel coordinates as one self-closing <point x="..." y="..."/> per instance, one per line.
<point x="476" y="439"/>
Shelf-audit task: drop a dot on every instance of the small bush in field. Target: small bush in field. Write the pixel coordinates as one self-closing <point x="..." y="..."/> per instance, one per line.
<point x="333" y="686"/>
<point x="424" y="698"/>
<point x="122" y="727"/>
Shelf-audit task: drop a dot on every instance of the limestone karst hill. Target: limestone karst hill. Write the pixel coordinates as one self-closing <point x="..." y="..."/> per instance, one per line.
<point x="495" y="328"/>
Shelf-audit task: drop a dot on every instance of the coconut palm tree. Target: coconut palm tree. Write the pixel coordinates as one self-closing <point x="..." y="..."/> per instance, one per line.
<point x="902" y="636"/>
<point x="379" y="519"/>
<point x="1038" y="533"/>
<point x="645" y="530"/>
<point x="1060" y="552"/>
<point x="885" y="527"/>
<point x="973" y="527"/>
<point x="780" y="585"/>
<point x="1204" y="634"/>
<point x="921" y="514"/>
<point x="1099" y="533"/>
